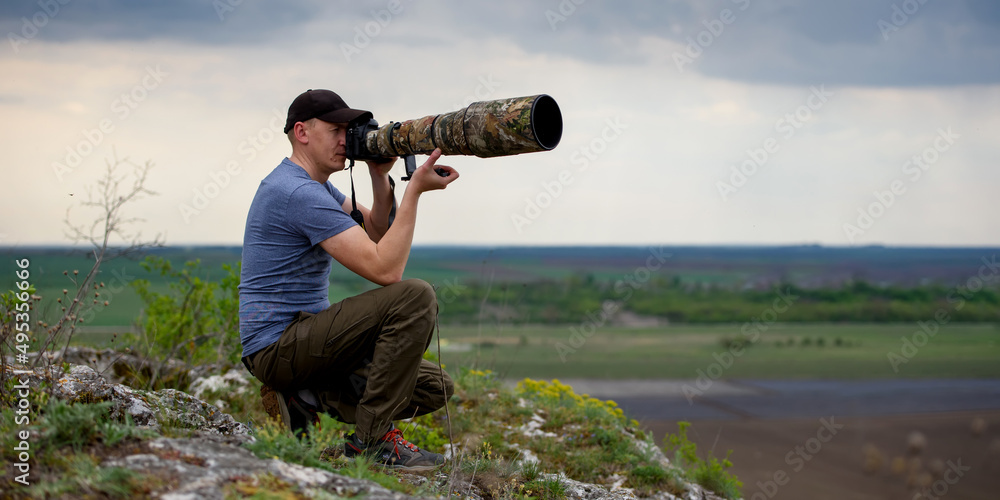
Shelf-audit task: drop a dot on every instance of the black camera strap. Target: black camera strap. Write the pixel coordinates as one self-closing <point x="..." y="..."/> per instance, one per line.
<point x="392" y="209"/>
<point x="356" y="214"/>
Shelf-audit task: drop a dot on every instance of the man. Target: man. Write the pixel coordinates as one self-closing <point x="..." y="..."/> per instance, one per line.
<point x="360" y="360"/>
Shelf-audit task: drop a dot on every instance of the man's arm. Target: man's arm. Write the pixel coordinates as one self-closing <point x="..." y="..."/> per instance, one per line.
<point x="376" y="219"/>
<point x="383" y="262"/>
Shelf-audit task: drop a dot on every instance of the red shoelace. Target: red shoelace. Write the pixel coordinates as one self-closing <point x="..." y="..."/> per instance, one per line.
<point x="396" y="437"/>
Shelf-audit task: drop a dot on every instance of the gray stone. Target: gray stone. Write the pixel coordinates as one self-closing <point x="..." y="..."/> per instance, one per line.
<point x="81" y="384"/>
<point x="586" y="491"/>
<point x="202" y="469"/>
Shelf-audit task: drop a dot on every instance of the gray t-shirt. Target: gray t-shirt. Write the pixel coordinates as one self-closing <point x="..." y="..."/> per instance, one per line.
<point x="284" y="269"/>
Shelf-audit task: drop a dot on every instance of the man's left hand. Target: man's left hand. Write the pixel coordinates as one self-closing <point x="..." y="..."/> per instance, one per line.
<point x="380" y="169"/>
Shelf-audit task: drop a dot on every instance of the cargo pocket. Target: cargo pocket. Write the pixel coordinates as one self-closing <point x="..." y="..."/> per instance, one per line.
<point x="281" y="370"/>
<point x="308" y="338"/>
<point x="335" y="330"/>
<point x="283" y="374"/>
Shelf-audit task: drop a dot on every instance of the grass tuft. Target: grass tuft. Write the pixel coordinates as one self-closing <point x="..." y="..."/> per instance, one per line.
<point x="709" y="473"/>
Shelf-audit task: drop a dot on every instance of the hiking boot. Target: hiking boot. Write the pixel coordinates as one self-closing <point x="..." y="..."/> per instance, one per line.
<point x="269" y="400"/>
<point x="392" y="450"/>
<point x="296" y="414"/>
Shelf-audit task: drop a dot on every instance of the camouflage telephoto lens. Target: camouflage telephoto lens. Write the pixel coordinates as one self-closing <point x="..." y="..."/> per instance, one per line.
<point x="502" y="127"/>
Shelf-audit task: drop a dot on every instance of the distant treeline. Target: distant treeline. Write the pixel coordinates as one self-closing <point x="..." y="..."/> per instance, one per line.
<point x="548" y="286"/>
<point x="573" y="299"/>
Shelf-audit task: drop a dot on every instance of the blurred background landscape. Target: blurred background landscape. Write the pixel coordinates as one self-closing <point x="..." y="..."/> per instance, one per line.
<point x="762" y="215"/>
<point x="754" y="345"/>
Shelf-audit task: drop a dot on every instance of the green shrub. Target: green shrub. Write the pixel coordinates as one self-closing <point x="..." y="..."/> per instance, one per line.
<point x="709" y="473"/>
<point x="195" y="322"/>
<point x="72" y="425"/>
<point x="422" y="431"/>
<point x="82" y="424"/>
<point x="545" y="489"/>
<point x="273" y="440"/>
<point x="83" y="478"/>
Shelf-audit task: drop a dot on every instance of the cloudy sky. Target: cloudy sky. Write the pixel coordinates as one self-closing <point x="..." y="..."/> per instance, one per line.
<point x="686" y="122"/>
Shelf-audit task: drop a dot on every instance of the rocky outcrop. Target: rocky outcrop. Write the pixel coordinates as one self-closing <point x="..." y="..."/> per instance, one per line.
<point x="145" y="408"/>
<point x="212" y="461"/>
<point x="127" y="368"/>
<point x="206" y="468"/>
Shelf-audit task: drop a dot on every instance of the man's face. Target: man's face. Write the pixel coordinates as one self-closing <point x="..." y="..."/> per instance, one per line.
<point x="327" y="145"/>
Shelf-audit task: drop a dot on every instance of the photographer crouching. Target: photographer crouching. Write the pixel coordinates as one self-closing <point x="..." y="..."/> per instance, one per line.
<point x="359" y="360"/>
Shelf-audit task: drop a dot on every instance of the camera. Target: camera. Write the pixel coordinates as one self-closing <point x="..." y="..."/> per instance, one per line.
<point x="357" y="130"/>
<point x="501" y="127"/>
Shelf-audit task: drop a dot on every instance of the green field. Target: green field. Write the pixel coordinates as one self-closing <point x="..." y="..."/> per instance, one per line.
<point x="850" y="351"/>
<point x="956" y="351"/>
<point x="559" y="285"/>
<point x="785" y="351"/>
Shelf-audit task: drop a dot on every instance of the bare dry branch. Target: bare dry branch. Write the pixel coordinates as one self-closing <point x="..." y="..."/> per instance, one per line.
<point x="108" y="200"/>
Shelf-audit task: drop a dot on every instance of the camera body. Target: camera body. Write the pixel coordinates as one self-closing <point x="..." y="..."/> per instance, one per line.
<point x="357" y="149"/>
<point x="355" y="140"/>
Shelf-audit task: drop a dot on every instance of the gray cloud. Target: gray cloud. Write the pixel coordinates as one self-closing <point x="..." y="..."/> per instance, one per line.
<point x="184" y="20"/>
<point x="781" y="41"/>
<point x="943" y="43"/>
<point x="795" y="42"/>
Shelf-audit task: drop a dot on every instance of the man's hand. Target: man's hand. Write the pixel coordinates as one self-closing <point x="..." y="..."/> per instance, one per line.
<point x="380" y="169"/>
<point x="426" y="179"/>
<point x="383" y="260"/>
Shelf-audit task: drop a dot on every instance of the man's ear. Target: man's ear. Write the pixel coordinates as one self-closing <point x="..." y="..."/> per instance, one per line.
<point x="301" y="132"/>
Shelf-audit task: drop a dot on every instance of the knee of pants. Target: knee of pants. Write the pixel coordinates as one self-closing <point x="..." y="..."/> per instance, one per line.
<point x="419" y="291"/>
<point x="420" y="300"/>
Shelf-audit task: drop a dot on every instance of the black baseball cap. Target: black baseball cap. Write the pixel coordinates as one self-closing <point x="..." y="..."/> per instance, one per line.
<point x="323" y="104"/>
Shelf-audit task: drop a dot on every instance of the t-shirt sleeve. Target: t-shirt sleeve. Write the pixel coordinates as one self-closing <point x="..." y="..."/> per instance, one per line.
<point x="337" y="195"/>
<point x="315" y="211"/>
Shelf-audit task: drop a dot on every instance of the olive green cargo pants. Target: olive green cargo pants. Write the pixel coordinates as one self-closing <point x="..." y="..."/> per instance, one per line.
<point x="362" y="357"/>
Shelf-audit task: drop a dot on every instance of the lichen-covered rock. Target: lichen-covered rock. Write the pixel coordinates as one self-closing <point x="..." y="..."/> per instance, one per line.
<point x="202" y="469"/>
<point x="81" y="384"/>
<point x="235" y="382"/>
<point x="235" y="379"/>
<point x="179" y="409"/>
<point x="586" y="491"/>
<point x="123" y="367"/>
